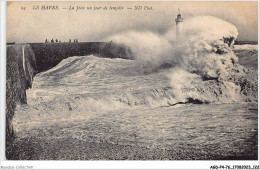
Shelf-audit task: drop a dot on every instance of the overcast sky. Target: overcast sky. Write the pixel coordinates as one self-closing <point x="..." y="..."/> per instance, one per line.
<point x="87" y="25"/>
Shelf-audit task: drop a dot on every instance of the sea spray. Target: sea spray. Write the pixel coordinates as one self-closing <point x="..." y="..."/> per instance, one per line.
<point x="162" y="74"/>
<point x="202" y="66"/>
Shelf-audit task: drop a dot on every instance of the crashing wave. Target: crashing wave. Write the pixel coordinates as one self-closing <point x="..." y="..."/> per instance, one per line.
<point x="202" y="66"/>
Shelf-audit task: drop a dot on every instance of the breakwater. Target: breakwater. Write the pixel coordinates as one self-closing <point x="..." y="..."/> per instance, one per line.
<point x="20" y="70"/>
<point x="49" y="55"/>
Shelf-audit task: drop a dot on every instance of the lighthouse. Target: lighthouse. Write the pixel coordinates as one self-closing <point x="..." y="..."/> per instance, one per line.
<point x="178" y="21"/>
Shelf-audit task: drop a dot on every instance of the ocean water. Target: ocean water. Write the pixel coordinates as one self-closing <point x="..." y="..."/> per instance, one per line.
<point x="194" y="96"/>
<point x="95" y="99"/>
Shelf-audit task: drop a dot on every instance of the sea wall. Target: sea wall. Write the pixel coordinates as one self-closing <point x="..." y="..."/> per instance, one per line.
<point x="20" y="70"/>
<point x="49" y="55"/>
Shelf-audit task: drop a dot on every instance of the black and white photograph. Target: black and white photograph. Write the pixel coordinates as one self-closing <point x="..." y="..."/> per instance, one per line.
<point x="131" y="80"/>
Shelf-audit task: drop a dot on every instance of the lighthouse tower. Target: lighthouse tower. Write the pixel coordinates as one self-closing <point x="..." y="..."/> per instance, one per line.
<point x="179" y="21"/>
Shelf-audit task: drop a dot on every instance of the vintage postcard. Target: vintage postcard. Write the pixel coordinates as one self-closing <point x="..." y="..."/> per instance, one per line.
<point x="129" y="80"/>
